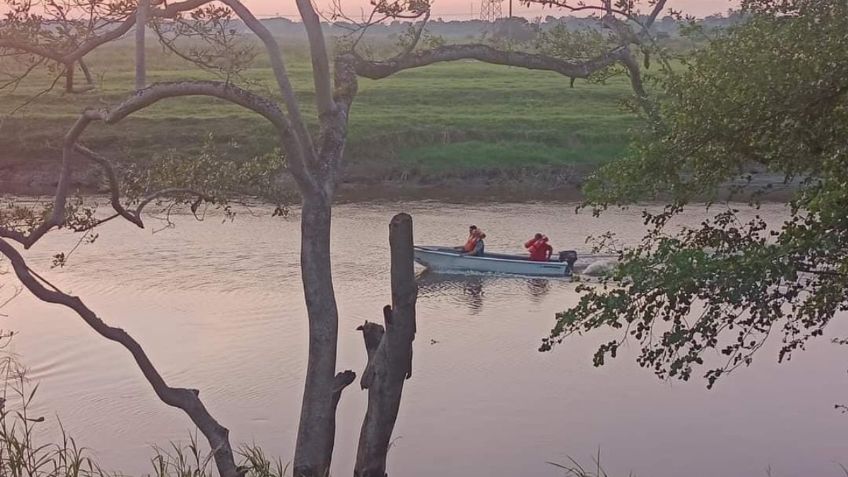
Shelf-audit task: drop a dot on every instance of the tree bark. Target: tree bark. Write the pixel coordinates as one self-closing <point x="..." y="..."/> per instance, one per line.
<point x="322" y="390"/>
<point x="86" y="72"/>
<point x="389" y="354"/>
<point x="69" y="78"/>
<point x="140" y="27"/>
<point x="487" y="54"/>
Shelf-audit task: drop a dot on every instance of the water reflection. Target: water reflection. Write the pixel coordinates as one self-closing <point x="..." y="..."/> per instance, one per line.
<point x="471" y="290"/>
<point x="538" y="288"/>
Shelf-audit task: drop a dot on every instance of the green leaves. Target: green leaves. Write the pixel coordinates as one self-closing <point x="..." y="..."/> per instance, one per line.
<point x="770" y="95"/>
<point x="579" y="45"/>
<point x="211" y="172"/>
<point x="770" y="91"/>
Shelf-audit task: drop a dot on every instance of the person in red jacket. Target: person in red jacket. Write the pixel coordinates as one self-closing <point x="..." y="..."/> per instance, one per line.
<point x="473" y="237"/>
<point x="539" y="248"/>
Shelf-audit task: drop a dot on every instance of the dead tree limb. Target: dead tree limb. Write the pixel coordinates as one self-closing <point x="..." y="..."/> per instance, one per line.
<point x="487" y="54"/>
<point x="186" y="399"/>
<point x="389" y="351"/>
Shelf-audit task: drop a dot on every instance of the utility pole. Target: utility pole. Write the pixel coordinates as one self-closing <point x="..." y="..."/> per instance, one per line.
<point x="490" y="10"/>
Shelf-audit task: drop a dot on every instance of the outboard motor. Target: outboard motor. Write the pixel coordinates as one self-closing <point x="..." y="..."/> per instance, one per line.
<point x="569" y="257"/>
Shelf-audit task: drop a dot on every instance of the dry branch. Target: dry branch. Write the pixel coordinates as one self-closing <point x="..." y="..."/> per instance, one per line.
<point x="487" y="54"/>
<point x="187" y="400"/>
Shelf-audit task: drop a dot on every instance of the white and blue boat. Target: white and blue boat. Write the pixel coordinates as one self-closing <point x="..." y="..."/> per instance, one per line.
<point x="450" y="260"/>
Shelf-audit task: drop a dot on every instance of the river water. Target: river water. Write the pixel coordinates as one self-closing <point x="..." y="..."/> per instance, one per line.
<point x="218" y="306"/>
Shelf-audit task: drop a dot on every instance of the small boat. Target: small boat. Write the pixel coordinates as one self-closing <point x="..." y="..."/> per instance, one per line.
<point x="450" y="260"/>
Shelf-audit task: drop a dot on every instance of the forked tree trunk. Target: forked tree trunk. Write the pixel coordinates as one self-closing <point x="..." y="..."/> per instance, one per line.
<point x="323" y="387"/>
<point x="89" y="79"/>
<point x="389" y="354"/>
<point x="70" y="78"/>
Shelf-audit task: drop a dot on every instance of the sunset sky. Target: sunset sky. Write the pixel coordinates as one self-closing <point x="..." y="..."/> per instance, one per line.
<point x="461" y="9"/>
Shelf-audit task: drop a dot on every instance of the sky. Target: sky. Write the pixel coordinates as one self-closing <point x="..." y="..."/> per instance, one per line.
<point x="461" y="9"/>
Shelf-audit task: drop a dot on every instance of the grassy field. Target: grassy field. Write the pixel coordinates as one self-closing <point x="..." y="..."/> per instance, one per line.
<point x="441" y="120"/>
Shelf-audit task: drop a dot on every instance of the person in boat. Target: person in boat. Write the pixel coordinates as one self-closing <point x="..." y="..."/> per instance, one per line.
<point x="539" y="248"/>
<point x="473" y="238"/>
<point x="530" y="244"/>
<point x="479" y="246"/>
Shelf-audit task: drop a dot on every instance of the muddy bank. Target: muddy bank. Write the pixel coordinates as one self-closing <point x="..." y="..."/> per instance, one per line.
<point x="359" y="183"/>
<point x="366" y="183"/>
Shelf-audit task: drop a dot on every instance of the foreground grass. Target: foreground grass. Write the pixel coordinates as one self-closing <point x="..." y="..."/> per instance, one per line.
<point x="444" y="118"/>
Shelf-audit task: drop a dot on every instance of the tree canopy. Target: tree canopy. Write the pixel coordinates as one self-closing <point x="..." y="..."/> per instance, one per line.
<point x="767" y="94"/>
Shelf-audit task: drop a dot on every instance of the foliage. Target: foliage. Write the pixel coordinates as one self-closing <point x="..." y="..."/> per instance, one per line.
<point x="578" y="44"/>
<point x="514" y="33"/>
<point x="61" y="24"/>
<point x="211" y="172"/>
<point x="768" y="94"/>
<point x="209" y="38"/>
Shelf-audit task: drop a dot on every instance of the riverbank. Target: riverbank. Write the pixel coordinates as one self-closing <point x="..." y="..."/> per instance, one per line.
<point x="454" y="126"/>
<point x="463" y="131"/>
<point x="552" y="183"/>
<point x="39" y="177"/>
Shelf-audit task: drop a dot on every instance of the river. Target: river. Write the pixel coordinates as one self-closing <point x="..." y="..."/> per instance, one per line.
<point x="219" y="307"/>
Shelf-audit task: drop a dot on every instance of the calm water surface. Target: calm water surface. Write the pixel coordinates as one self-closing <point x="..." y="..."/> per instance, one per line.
<point x="219" y="307"/>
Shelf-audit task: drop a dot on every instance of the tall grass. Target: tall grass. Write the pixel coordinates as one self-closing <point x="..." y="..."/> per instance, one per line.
<point x="27" y="449"/>
<point x="575" y="469"/>
<point x="22" y="454"/>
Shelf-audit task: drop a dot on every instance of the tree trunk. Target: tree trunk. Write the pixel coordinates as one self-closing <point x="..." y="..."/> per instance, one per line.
<point x="69" y="78"/>
<point x="389" y="354"/>
<point x="316" y="434"/>
<point x="86" y="72"/>
<point x="140" y="27"/>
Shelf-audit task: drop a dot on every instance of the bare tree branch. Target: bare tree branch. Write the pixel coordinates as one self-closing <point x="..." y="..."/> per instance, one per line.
<point x="320" y="61"/>
<point x="171" y="192"/>
<point x="301" y="151"/>
<point x="417" y="36"/>
<point x="488" y="54"/>
<point x="635" y="74"/>
<point x="135" y="216"/>
<point x="136" y="102"/>
<point x="607" y="10"/>
<point x="94" y="42"/>
<point x="188" y="400"/>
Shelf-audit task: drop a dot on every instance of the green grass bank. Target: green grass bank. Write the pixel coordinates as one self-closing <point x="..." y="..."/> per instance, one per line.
<point x="462" y="123"/>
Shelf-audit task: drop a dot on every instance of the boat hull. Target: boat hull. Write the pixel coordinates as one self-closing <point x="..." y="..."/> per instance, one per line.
<point x="446" y="260"/>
